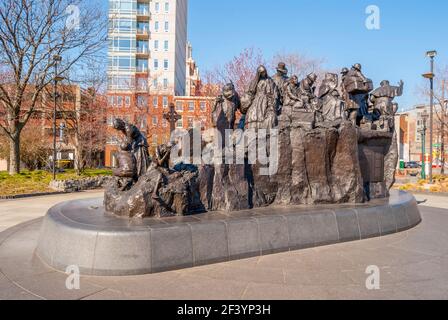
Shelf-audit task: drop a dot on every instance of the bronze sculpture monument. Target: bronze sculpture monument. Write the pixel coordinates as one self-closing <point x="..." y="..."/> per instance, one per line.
<point x="336" y="143"/>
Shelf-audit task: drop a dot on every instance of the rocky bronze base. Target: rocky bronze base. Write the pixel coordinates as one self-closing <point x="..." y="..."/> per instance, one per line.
<point x="80" y="233"/>
<point x="322" y="165"/>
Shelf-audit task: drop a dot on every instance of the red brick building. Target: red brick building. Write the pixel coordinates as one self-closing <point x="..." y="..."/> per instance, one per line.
<point x="410" y="123"/>
<point x="147" y="115"/>
<point x="76" y="111"/>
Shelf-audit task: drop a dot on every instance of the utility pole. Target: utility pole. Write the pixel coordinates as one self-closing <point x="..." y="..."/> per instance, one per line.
<point x="423" y="137"/>
<point x="56" y="60"/>
<point x="430" y="76"/>
<point x="442" y="129"/>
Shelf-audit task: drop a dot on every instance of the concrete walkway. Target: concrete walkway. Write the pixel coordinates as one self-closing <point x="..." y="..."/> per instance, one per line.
<point x="433" y="201"/>
<point x="14" y="212"/>
<point x="412" y="264"/>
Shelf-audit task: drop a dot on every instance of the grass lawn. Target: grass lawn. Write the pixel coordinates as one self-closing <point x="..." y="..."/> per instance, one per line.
<point x="29" y="182"/>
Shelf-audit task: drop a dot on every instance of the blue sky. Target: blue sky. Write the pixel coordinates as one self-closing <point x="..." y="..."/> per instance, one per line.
<point x="329" y="29"/>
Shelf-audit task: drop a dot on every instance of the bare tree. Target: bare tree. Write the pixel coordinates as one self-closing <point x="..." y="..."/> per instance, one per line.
<point x="440" y="109"/>
<point x="32" y="32"/>
<point x="298" y="64"/>
<point x="240" y="70"/>
<point x="33" y="148"/>
<point x="442" y="115"/>
<point x="85" y="115"/>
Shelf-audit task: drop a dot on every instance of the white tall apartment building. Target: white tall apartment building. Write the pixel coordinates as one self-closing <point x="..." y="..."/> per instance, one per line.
<point x="147" y="41"/>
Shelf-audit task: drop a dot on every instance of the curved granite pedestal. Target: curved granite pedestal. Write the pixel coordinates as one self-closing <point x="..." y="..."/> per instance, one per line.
<point x="80" y="233"/>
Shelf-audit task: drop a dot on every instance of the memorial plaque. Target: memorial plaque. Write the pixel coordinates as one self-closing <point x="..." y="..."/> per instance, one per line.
<point x="372" y="163"/>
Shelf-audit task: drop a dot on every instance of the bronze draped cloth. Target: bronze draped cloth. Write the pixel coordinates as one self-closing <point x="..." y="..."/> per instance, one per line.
<point x="139" y="148"/>
<point x="260" y="104"/>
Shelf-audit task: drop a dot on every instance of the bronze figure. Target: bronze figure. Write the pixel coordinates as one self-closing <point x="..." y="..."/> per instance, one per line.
<point x="381" y="101"/>
<point x="281" y="80"/>
<point x="330" y="101"/>
<point x="307" y="91"/>
<point x="225" y="108"/>
<point x="358" y="87"/>
<point x="138" y="145"/>
<point x="260" y="103"/>
<point x="324" y="155"/>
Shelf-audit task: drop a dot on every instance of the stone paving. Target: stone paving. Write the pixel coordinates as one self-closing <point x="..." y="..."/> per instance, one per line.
<point x="13" y="212"/>
<point x="413" y="264"/>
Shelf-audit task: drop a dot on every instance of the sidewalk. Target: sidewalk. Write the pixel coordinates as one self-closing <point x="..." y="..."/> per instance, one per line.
<point x="412" y="265"/>
<point x="434" y="201"/>
<point x="14" y="212"/>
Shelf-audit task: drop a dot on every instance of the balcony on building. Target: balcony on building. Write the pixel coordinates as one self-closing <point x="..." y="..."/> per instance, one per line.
<point x="142" y="69"/>
<point x="143" y="10"/>
<point x="141" y="85"/>
<point x="142" y="52"/>
<point x="142" y="30"/>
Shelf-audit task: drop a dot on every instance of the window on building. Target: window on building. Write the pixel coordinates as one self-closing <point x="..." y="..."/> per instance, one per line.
<point x="154" y="120"/>
<point x="165" y="83"/>
<point x="125" y="63"/>
<point x="165" y="102"/>
<point x="156" y="45"/>
<point x="143" y="123"/>
<point x="179" y="124"/>
<point x="156" y="26"/>
<point x="156" y="64"/>
<point x="190" y="122"/>
<point x="142" y="65"/>
<point x="155" y="83"/>
<point x="166" y="45"/>
<point x="155" y="102"/>
<point x="121" y="25"/>
<point x="142" y="84"/>
<point x="142" y="46"/>
<point x="110" y="120"/>
<point x="164" y="123"/>
<point x="141" y="101"/>
<point x="203" y="106"/>
<point x="179" y="106"/>
<point x="167" y="26"/>
<point x="122" y="44"/>
<point x="165" y="64"/>
<point x="127" y="101"/>
<point x="110" y="101"/>
<point x="157" y="6"/>
<point x="142" y="8"/>
<point x="142" y="27"/>
<point x="120" y="101"/>
<point x="120" y="82"/>
<point x="190" y="106"/>
<point x="167" y="7"/>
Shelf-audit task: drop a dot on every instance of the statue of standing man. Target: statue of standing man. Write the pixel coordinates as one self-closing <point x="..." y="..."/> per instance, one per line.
<point x="281" y="80"/>
<point x="357" y="86"/>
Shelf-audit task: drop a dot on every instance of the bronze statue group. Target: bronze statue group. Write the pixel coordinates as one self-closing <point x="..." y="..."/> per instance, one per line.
<point x="269" y="100"/>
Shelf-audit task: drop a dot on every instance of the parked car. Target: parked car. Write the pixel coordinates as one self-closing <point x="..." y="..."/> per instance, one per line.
<point x="413" y="165"/>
